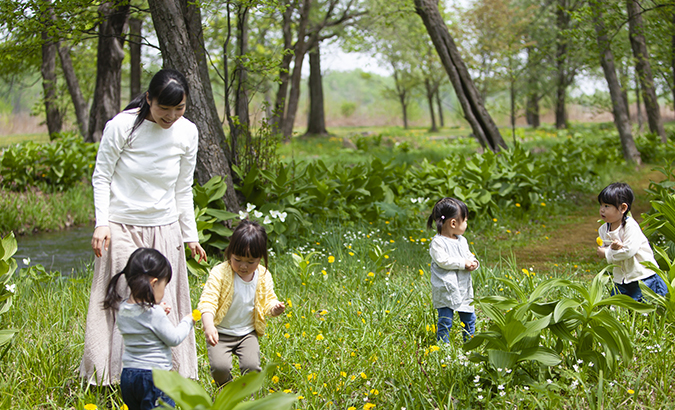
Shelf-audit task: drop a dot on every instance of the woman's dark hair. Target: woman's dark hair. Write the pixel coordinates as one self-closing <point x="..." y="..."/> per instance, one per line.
<point x="168" y="86"/>
<point x="143" y="265"/>
<point x="249" y="239"/>
<point x="446" y="209"/>
<point x="616" y="194"/>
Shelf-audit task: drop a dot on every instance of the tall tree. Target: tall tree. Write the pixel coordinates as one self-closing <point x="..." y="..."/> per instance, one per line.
<point x="484" y="128"/>
<point x="630" y="152"/>
<point x="644" y="69"/>
<point x="48" y="69"/>
<point x="79" y="103"/>
<point x="135" y="38"/>
<point x="107" y="94"/>
<point x="316" y="120"/>
<point x="178" y="23"/>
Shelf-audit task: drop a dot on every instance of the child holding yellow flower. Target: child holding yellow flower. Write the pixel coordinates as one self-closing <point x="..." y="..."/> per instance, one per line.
<point x="624" y="244"/>
<point x="237" y="296"/>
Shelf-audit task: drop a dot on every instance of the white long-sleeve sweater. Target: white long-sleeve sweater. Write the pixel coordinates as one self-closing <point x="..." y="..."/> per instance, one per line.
<point x="146" y="179"/>
<point x="635" y="249"/>
<point x="451" y="284"/>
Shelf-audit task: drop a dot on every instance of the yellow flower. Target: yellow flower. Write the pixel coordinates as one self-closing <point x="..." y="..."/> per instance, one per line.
<point x="353" y="354"/>
<point x="421" y="272"/>
<point x="543" y="204"/>
<point x="288" y="391"/>
<point x="319" y="337"/>
<point x="124" y="407"/>
<point x="435" y="348"/>
<point x="287" y="325"/>
<point x="343" y="374"/>
<point x="352" y="408"/>
<point x="363" y="375"/>
<point x="386" y="256"/>
<point x="289" y="303"/>
<point x="275" y="379"/>
<point x="90" y="406"/>
<point x="494" y="219"/>
<point x="300" y="397"/>
<point x="368" y="406"/>
<point x="631" y="391"/>
<point x="598" y="240"/>
<point x="526" y="272"/>
<point x="386" y="222"/>
<point x="423" y="240"/>
<point x="517" y="205"/>
<point x="196" y="315"/>
<point x="371" y="274"/>
<point x="286" y="335"/>
<point x="351" y="253"/>
<point x="391" y="240"/>
<point x="323" y="271"/>
<point x="508" y="231"/>
<point x="331" y="259"/>
<point x="323" y="312"/>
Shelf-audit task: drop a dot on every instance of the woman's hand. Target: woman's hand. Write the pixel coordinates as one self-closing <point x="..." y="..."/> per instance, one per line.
<point x="100" y="240"/>
<point x="196" y="249"/>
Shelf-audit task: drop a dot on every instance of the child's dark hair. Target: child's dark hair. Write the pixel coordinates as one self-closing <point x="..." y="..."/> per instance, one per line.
<point x="446" y="209"/>
<point x="616" y="194"/>
<point x="249" y="239"/>
<point x="168" y="86"/>
<point x="143" y="265"/>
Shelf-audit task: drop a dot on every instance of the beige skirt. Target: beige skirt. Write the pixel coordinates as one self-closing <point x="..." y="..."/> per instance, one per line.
<point x="103" y="345"/>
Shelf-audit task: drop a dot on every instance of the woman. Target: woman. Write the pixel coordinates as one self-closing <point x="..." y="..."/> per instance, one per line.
<point x="143" y="198"/>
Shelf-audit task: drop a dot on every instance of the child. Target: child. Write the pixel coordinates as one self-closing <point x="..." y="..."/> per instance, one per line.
<point x="147" y="332"/>
<point x="451" y="265"/>
<point x="236" y="298"/>
<point x="628" y="246"/>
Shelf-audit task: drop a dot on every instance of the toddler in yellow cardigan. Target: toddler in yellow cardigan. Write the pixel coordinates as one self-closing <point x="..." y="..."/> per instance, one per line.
<point x="236" y="298"/>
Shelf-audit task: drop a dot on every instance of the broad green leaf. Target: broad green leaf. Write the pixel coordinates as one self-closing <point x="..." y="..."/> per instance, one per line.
<point x="543" y="355"/>
<point x="562" y="307"/>
<point x="6" y="335"/>
<point x="500" y="359"/>
<point x="275" y="401"/>
<point x="9" y="246"/>
<point x="626" y="302"/>
<point x="240" y="388"/>
<point x="185" y="392"/>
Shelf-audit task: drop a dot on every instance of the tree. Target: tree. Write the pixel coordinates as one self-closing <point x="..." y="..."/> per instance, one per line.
<point x="630" y="152"/>
<point x="643" y="69"/>
<point x="484" y="128"/>
<point x="107" y="94"/>
<point x="177" y="24"/>
<point x="135" y="38"/>
<point x="316" y="120"/>
<point x="48" y="70"/>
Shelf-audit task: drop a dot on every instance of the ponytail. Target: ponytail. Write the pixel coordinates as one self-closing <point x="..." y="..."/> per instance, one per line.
<point x="112" y="298"/>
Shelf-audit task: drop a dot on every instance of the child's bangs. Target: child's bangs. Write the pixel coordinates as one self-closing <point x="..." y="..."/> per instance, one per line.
<point x="171" y="95"/>
<point x="253" y="246"/>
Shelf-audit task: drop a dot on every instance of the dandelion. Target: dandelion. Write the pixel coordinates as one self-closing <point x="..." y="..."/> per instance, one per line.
<point x="275" y="379"/>
<point x="598" y="240"/>
<point x="288" y="391"/>
<point x="368" y="406"/>
<point x="331" y="259"/>
<point x="351" y="253"/>
<point x="353" y="354"/>
<point x="351" y="408"/>
<point x="517" y="205"/>
<point x="196" y="315"/>
<point x="363" y="375"/>
<point x="343" y="374"/>
<point x="301" y="397"/>
<point x="421" y="272"/>
<point x="319" y="337"/>
<point x="323" y="272"/>
<point x="371" y="274"/>
<point x="90" y="406"/>
<point x="543" y="204"/>
<point x="386" y="256"/>
<point x="286" y="335"/>
<point x="631" y="391"/>
<point x="494" y="219"/>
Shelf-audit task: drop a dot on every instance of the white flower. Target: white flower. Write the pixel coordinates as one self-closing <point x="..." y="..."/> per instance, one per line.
<point x="476" y="379"/>
<point x="574" y="384"/>
<point x="243" y="215"/>
<point x="549" y="381"/>
<point x="297" y="199"/>
<point x="11" y="288"/>
<point x="499" y="369"/>
<point x="267" y="220"/>
<point x="274" y="213"/>
<point x="413" y="200"/>
<point x="249" y="207"/>
<point x="26" y="261"/>
<point x="480" y="397"/>
<point x="502" y="393"/>
<point x="576" y="368"/>
<point x="526" y="387"/>
<point x="479" y="390"/>
<point x="257" y="214"/>
<point x="500" y="387"/>
<point x="508" y="370"/>
<point x="580" y="361"/>
<point x="282" y="216"/>
<point x="590" y="364"/>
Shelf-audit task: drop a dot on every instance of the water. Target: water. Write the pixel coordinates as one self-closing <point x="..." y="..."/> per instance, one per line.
<point x="63" y="251"/>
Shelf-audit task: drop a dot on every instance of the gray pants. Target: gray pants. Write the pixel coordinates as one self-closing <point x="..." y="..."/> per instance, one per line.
<point x="245" y="347"/>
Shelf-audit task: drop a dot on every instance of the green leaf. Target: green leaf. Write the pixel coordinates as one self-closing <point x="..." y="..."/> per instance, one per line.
<point x="501" y="359"/>
<point x="541" y="354"/>
<point x="187" y="393"/>
<point x="240" y="388"/>
<point x="6" y="335"/>
<point x="275" y="401"/>
<point x="562" y="307"/>
<point x="9" y="246"/>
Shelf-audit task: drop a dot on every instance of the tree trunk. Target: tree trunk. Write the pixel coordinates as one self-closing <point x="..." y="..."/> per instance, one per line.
<point x="430" y="100"/>
<point x="532" y="110"/>
<point x="637" y="103"/>
<point x="300" y="49"/>
<point x="624" y="81"/>
<point x="107" y="99"/>
<point x="441" y="120"/>
<point x="316" y="121"/>
<point x="644" y="69"/>
<point x="241" y="128"/>
<point x="175" y="23"/>
<point x="135" y="72"/>
<point x="512" y="95"/>
<point x="74" y="89"/>
<point x="630" y="152"/>
<point x="562" y="23"/>
<point x="279" y="113"/>
<point x="484" y="128"/>
<point x="48" y="69"/>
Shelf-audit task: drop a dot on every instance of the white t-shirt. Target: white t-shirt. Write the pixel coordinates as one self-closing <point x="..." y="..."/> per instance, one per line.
<point x="146" y="179"/>
<point x="238" y="320"/>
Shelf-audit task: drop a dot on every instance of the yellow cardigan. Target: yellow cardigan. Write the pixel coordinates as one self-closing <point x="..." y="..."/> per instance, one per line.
<point x="219" y="288"/>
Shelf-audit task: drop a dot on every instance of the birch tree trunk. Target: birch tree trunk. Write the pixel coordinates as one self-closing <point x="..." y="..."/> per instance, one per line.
<point x="107" y="99"/>
<point x="175" y="23"/>
<point x="484" y="128"/>
<point x="644" y="69"/>
<point x="630" y="152"/>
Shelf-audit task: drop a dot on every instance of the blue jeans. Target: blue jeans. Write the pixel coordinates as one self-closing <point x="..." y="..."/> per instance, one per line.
<point x="445" y="324"/>
<point x="632" y="289"/>
<point x="139" y="391"/>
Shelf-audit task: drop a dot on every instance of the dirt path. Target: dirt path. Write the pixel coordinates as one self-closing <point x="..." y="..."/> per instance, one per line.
<point x="573" y="239"/>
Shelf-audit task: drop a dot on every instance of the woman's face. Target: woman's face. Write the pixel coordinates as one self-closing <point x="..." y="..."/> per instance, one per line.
<point x="165" y="115"/>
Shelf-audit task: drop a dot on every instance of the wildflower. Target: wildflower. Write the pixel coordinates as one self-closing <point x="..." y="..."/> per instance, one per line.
<point x="371" y="274"/>
<point x="267" y="220"/>
<point x="386" y="256"/>
<point x="275" y="379"/>
<point x="323" y="312"/>
<point x="363" y="375"/>
<point x="434" y="348"/>
<point x="502" y="393"/>
<point x="257" y="214"/>
<point x="517" y="205"/>
<point x="286" y="335"/>
<point x="90" y="406"/>
<point x="343" y="374"/>
<point x="368" y="406"/>
<point x="331" y="259"/>
<point x="480" y="397"/>
<point x="631" y="391"/>
<point x="494" y="219"/>
<point x="243" y="215"/>
<point x="421" y="272"/>
<point x="300" y="397"/>
<point x="423" y="239"/>
<point x="543" y="204"/>
<point x="124" y="407"/>
<point x="11" y="288"/>
<point x="250" y="207"/>
<point x="598" y="240"/>
<point x="319" y="337"/>
<point x="288" y="391"/>
<point x="500" y="387"/>
<point x="351" y="253"/>
<point x="196" y="315"/>
<point x="323" y="272"/>
<point x="26" y="261"/>
<point x="353" y="354"/>
<point x="351" y="408"/>
<point x="282" y="216"/>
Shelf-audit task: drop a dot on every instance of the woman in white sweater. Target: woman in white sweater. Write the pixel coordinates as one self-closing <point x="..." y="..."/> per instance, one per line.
<point x="143" y="198"/>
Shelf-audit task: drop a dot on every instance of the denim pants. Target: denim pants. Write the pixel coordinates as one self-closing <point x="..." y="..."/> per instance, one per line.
<point x="139" y="391"/>
<point x="445" y="324"/>
<point x="632" y="289"/>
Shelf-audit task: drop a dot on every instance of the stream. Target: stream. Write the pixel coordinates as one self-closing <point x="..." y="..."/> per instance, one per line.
<point x="65" y="251"/>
